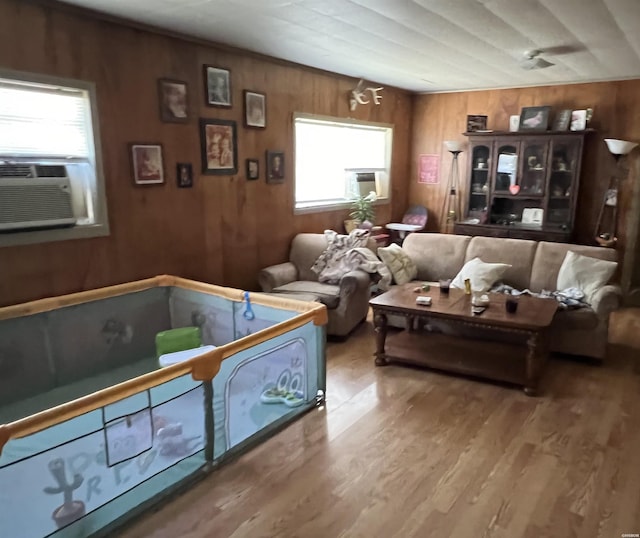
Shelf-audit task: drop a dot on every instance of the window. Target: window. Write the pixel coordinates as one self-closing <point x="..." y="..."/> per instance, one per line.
<point x="53" y="121"/>
<point x="336" y="160"/>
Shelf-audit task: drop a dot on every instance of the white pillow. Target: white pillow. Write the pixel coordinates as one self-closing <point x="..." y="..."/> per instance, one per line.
<point x="482" y="275"/>
<point x="397" y="260"/>
<point x="585" y="273"/>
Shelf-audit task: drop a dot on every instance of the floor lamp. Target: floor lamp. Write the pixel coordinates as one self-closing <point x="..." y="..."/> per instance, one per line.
<point x="452" y="206"/>
<point x="606" y="225"/>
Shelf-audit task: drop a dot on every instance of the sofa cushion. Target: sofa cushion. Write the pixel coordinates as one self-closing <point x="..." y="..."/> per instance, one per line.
<point x="436" y="256"/>
<point x="305" y="249"/>
<point x="549" y="258"/>
<point x="328" y="294"/>
<point x="585" y="273"/>
<point x="518" y="253"/>
<point x="399" y="263"/>
<point x="482" y="275"/>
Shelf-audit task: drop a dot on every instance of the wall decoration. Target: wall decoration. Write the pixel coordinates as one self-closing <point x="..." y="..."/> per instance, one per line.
<point x="562" y="120"/>
<point x="184" y="175"/>
<point x="514" y="123"/>
<point x="255" y="109"/>
<point x="359" y="95"/>
<point x="476" y="123"/>
<point x="578" y="120"/>
<point x="428" y="169"/>
<point x="218" y="146"/>
<point x="146" y="161"/>
<point x="534" y="118"/>
<point x="253" y="168"/>
<point x="275" y="166"/>
<point x="172" y="96"/>
<point x="217" y="86"/>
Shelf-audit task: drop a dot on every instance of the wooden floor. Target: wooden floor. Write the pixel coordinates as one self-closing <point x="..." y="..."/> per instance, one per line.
<point x="401" y="452"/>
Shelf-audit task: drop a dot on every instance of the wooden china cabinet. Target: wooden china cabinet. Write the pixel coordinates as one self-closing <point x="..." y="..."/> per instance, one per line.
<point x="522" y="185"/>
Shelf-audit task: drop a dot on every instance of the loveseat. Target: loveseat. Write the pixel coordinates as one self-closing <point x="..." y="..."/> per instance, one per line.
<point x="347" y="301"/>
<point x="535" y="266"/>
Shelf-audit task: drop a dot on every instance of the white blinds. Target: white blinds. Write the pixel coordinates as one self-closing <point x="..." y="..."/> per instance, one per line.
<point x="44" y="121"/>
<point x="325" y="149"/>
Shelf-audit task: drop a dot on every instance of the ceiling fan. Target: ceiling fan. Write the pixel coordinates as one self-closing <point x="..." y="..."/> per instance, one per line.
<point x="531" y="60"/>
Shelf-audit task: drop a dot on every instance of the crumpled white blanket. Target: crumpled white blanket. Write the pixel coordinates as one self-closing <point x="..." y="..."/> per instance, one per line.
<point x="568" y="299"/>
<point x="346" y="253"/>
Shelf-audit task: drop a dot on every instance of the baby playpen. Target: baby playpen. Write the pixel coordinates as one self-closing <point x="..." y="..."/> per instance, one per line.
<point x="93" y="430"/>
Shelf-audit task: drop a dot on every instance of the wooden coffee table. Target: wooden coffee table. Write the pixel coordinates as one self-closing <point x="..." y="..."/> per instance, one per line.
<point x="494" y="344"/>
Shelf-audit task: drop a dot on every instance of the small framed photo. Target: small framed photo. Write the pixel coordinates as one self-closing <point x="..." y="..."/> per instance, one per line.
<point x="184" y="175"/>
<point x="562" y="120"/>
<point x="219" y="149"/>
<point x="534" y="118"/>
<point x="578" y="120"/>
<point x="275" y="166"/>
<point x="476" y="123"/>
<point x="172" y="95"/>
<point x="253" y="168"/>
<point x="146" y="161"/>
<point x="255" y="109"/>
<point x="217" y="85"/>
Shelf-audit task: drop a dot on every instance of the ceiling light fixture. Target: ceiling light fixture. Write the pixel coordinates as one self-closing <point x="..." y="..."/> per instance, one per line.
<point x="531" y="60"/>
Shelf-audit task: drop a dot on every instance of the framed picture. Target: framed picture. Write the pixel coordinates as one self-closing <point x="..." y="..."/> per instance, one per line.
<point x="218" y="147"/>
<point x="184" y="175"/>
<point x="255" y="109"/>
<point x="275" y="166"/>
<point x="217" y="86"/>
<point x="562" y="120"/>
<point x="476" y="123"/>
<point x="534" y="118"/>
<point x="172" y="96"/>
<point x="253" y="168"/>
<point x="146" y="161"/>
<point x="578" y="120"/>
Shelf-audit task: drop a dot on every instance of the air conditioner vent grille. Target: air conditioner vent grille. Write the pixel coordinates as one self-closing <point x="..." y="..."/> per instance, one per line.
<point x="51" y="170"/>
<point x="35" y="203"/>
<point x="16" y="170"/>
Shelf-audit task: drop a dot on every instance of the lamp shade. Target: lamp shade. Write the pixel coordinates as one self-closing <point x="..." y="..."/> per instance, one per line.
<point x="619" y="147"/>
<point x="453" y="145"/>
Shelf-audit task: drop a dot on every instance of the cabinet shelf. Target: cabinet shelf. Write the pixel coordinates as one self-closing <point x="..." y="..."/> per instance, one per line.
<point x="532" y="163"/>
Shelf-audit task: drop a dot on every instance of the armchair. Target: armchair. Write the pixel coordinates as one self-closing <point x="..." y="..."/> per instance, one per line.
<point x="347" y="302"/>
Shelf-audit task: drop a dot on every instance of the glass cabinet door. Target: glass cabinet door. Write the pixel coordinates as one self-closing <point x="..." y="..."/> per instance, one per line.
<point x="564" y="162"/>
<point x="479" y="184"/>
<point x="534" y="166"/>
<point x="506" y="166"/>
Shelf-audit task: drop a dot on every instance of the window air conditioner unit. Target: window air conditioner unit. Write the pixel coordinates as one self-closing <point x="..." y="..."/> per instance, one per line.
<point x="34" y="196"/>
<point x="361" y="181"/>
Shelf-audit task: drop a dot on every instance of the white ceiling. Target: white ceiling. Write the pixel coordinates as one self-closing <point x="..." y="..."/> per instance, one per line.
<point x="420" y="45"/>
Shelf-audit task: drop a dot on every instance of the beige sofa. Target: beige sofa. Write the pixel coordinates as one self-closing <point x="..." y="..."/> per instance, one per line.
<point x="347" y="302"/>
<point x="535" y="266"/>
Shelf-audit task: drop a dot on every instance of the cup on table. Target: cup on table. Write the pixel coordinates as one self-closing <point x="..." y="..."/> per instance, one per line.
<point x="444" y="286"/>
<point x="511" y="305"/>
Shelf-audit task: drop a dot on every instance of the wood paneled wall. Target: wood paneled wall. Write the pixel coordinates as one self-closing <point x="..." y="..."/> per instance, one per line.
<point x="440" y="117"/>
<point x="224" y="229"/>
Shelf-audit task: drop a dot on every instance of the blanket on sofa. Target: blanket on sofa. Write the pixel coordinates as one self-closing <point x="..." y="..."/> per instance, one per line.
<point x="568" y="299"/>
<point x="346" y="253"/>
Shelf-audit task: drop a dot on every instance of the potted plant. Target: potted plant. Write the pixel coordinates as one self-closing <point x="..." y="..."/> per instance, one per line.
<point x="362" y="210"/>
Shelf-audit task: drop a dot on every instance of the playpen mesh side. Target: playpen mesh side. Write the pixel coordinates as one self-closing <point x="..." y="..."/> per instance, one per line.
<point x="221" y="320"/>
<point x="43" y="356"/>
<point x="259" y="389"/>
<point x="77" y="477"/>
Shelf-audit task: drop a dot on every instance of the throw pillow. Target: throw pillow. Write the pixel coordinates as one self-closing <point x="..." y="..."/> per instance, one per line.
<point x="585" y="273"/>
<point x="399" y="263"/>
<point x="482" y="275"/>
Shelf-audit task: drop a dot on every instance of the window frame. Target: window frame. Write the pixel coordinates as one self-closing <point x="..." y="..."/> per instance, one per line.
<point x="100" y="226"/>
<point x="320" y="207"/>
